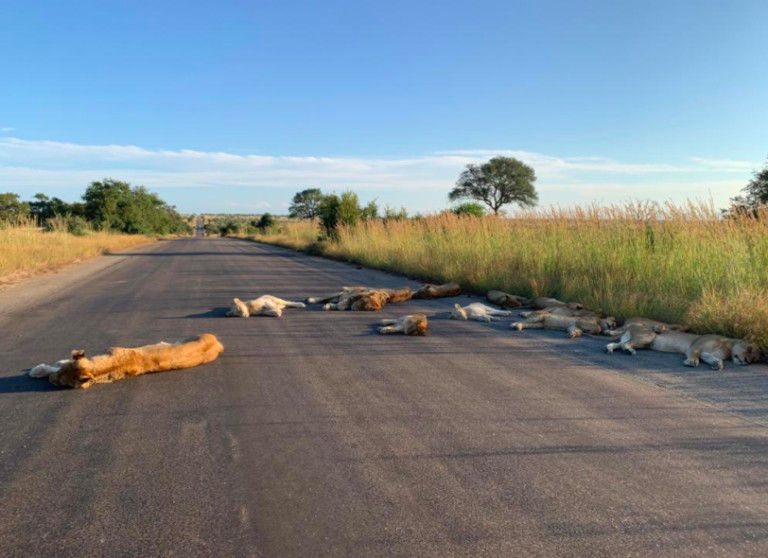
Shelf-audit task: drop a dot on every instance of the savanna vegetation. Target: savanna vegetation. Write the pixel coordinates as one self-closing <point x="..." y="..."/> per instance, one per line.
<point x="46" y="233"/>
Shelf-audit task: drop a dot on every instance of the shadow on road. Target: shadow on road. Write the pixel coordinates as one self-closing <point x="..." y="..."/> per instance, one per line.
<point x="23" y="383"/>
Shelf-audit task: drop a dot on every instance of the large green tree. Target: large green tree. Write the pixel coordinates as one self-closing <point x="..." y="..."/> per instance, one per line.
<point x="306" y="204"/>
<point x="498" y="182"/>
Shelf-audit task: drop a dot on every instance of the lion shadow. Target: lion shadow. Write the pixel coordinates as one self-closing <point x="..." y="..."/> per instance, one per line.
<point x="23" y="383"/>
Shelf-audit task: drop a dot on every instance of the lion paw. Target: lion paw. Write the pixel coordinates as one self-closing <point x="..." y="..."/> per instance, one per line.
<point x="693" y="362"/>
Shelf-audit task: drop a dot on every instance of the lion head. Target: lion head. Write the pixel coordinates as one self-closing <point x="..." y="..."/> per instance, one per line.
<point x="72" y="373"/>
<point x="238" y="309"/>
<point x="458" y="313"/>
<point x="745" y="352"/>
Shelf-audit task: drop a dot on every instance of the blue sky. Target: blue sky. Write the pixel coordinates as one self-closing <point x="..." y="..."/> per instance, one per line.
<point x="235" y="105"/>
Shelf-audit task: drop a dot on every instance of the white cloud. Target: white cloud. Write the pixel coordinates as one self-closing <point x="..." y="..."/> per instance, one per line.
<point x="6" y="129"/>
<point x="421" y="181"/>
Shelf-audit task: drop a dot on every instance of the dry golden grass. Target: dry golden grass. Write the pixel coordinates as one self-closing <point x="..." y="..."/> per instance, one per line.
<point x="674" y="263"/>
<point x="28" y="251"/>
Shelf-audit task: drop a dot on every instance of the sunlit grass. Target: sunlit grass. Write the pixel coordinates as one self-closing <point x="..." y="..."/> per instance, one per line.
<point x="674" y="263"/>
<point x="27" y="251"/>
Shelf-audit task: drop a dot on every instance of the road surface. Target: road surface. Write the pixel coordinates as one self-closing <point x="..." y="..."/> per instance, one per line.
<point x="313" y="436"/>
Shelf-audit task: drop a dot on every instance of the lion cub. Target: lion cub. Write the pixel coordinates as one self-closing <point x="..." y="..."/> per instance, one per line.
<point x="477" y="311"/>
<point x="412" y="324"/>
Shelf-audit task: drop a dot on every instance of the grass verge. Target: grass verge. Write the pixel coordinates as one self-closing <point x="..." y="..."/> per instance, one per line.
<point x="28" y="251"/>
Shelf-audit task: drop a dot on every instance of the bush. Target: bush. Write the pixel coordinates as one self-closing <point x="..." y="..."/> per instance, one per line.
<point x="469" y="208"/>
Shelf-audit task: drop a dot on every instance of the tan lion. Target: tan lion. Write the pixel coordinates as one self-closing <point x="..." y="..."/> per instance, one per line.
<point x="477" y="311"/>
<point x="364" y="299"/>
<point x="576" y="326"/>
<point x="656" y="326"/>
<point x="505" y="300"/>
<point x="265" y="305"/>
<point x="120" y="362"/>
<point x="412" y="324"/>
<point x="438" y="291"/>
<point x="544" y="302"/>
<point x="712" y="349"/>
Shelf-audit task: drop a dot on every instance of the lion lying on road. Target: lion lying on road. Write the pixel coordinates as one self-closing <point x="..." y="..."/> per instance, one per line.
<point x="363" y="298"/>
<point x="505" y="300"/>
<point x="120" y="362"/>
<point x="412" y="324"/>
<point x="544" y="302"/>
<point x="656" y="326"/>
<point x="575" y="325"/>
<point x="712" y="349"/>
<point x="477" y="311"/>
<point x="266" y="305"/>
<point x="438" y="291"/>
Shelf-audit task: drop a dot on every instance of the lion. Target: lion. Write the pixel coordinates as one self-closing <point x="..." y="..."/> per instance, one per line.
<point x="712" y="349"/>
<point x="265" y="305"/>
<point x="335" y="296"/>
<point x="576" y="326"/>
<point x="477" y="311"/>
<point x="438" y="291"/>
<point x="505" y="300"/>
<point x="657" y="326"/>
<point x="365" y="299"/>
<point x="120" y="362"/>
<point x="412" y="324"/>
<point x="544" y="302"/>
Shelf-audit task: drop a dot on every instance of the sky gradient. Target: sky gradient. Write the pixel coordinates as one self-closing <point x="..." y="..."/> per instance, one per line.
<point x="233" y="106"/>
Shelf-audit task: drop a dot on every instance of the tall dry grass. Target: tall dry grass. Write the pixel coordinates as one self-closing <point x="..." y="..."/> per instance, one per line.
<point x="27" y="250"/>
<point x="674" y="263"/>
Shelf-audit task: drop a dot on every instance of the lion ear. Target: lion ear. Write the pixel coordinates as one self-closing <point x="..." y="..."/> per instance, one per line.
<point x="78" y="354"/>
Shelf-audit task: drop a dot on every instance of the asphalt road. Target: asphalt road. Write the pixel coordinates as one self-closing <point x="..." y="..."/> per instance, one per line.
<point x="313" y="436"/>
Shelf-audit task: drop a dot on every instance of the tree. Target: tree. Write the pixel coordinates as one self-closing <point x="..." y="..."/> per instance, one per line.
<point x="306" y="204"/>
<point x="44" y="207"/>
<point x="267" y="221"/>
<point x="370" y="211"/>
<point x="335" y="211"/>
<point x="498" y="182"/>
<point x="473" y="209"/>
<point x="12" y="209"/>
<point x="755" y="193"/>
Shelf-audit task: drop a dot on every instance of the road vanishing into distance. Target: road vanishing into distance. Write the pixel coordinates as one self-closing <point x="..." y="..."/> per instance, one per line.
<point x="313" y="435"/>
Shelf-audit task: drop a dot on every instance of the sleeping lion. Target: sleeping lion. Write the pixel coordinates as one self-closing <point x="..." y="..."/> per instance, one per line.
<point x="438" y="291"/>
<point x="120" y="362"/>
<point x="265" y="305"/>
<point x="363" y="298"/>
<point x="712" y="349"/>
<point x="412" y="324"/>
<point x="477" y="311"/>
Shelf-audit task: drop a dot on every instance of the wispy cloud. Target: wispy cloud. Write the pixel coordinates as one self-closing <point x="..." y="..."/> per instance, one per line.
<point x="6" y="129"/>
<point x="421" y="181"/>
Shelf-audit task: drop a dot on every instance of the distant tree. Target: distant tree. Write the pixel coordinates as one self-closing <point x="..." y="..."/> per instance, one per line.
<point x="44" y="208"/>
<point x="266" y="222"/>
<point x="335" y="211"/>
<point x="755" y="193"/>
<point x="114" y="205"/>
<point x="370" y="211"/>
<point x="12" y="209"/>
<point x="306" y="204"/>
<point x="498" y="182"/>
<point x="391" y="214"/>
<point x="473" y="209"/>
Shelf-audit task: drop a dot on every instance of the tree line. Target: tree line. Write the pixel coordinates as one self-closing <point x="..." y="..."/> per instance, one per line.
<point x="108" y="205"/>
